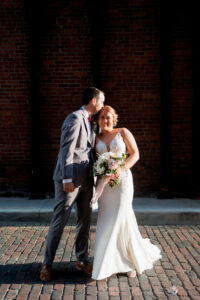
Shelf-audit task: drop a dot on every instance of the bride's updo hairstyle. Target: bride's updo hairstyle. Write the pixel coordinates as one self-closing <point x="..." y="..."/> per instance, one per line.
<point x="111" y="110"/>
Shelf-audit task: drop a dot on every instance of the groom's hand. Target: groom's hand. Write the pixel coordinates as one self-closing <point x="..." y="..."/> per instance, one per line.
<point x="68" y="187"/>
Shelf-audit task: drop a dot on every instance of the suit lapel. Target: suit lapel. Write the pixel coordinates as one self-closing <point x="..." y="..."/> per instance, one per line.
<point x="93" y="137"/>
<point x="85" y="120"/>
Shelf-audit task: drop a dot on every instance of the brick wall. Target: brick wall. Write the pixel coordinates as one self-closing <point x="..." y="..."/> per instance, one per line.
<point x="130" y="76"/>
<point x="181" y="102"/>
<point x="66" y="69"/>
<point x="14" y="98"/>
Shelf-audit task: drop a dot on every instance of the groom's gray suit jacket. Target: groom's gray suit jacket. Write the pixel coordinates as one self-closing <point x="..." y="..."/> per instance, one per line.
<point x="75" y="157"/>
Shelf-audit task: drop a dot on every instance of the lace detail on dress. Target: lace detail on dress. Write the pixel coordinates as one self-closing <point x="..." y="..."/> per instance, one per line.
<point x="117" y="145"/>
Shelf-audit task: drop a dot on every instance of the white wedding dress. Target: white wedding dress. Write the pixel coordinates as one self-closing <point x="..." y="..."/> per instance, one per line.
<point x="119" y="246"/>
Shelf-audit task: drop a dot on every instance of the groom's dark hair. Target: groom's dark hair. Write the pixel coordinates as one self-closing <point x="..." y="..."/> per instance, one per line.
<point x="89" y="93"/>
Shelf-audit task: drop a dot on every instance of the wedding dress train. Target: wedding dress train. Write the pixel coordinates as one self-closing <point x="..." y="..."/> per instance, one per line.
<point x="119" y="246"/>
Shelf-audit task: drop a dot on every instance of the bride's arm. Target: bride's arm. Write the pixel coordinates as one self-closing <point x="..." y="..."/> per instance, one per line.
<point x="132" y="148"/>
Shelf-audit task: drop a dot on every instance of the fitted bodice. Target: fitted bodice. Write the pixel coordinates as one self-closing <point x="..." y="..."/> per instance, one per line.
<point x="117" y="145"/>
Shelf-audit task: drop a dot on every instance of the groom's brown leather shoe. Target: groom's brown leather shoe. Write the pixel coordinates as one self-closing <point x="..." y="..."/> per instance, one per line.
<point x="85" y="267"/>
<point x="46" y="273"/>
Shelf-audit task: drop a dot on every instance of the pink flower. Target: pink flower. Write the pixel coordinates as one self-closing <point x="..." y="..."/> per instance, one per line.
<point x="113" y="164"/>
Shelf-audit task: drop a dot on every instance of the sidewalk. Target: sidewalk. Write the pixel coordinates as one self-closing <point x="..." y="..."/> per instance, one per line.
<point x="22" y="251"/>
<point x="149" y="211"/>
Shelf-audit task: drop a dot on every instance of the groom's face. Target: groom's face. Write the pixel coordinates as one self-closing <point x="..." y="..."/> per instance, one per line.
<point x="99" y="102"/>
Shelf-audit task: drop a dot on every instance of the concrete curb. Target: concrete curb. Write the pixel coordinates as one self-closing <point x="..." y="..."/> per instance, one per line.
<point x="149" y="211"/>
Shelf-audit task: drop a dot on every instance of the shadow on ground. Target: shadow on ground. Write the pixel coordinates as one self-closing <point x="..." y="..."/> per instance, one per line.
<point x="29" y="273"/>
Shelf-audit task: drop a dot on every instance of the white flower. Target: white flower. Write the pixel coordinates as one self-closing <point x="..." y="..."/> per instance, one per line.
<point x="103" y="157"/>
<point x="100" y="170"/>
<point x="113" y="154"/>
<point x="107" y="163"/>
<point x="116" y="155"/>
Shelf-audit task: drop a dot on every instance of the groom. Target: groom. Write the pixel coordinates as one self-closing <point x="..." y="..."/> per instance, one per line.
<point x="73" y="183"/>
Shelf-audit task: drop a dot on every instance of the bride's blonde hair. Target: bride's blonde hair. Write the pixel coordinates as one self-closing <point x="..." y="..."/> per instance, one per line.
<point x="111" y="110"/>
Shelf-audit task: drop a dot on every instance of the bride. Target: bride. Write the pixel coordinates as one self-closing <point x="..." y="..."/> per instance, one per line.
<point x="119" y="246"/>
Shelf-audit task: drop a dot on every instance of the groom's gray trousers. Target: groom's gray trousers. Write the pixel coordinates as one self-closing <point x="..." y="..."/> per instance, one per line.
<point x="63" y="205"/>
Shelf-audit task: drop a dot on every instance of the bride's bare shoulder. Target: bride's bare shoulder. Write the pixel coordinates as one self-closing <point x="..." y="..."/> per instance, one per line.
<point x="125" y="132"/>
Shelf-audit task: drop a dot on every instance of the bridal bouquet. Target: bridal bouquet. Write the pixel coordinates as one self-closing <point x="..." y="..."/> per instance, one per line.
<point x="105" y="166"/>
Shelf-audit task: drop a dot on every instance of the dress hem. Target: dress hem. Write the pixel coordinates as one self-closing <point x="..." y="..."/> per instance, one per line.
<point x="129" y="270"/>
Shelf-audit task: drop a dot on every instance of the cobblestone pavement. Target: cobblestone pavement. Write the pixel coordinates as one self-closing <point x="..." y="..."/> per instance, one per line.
<point x="21" y="254"/>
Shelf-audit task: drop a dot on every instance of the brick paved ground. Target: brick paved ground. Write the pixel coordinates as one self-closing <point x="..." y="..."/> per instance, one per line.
<point x="21" y="254"/>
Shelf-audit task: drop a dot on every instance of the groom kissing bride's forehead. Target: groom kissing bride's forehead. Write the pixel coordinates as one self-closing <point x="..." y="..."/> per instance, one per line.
<point x="73" y="183"/>
<point x="119" y="245"/>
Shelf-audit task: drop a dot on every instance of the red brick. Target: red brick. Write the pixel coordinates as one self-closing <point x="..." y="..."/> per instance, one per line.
<point x="113" y="291"/>
<point x="130" y="77"/>
<point x="181" y="291"/>
<point x="136" y="292"/>
<point x="44" y="297"/>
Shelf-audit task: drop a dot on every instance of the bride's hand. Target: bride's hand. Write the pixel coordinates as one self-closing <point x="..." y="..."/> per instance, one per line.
<point x="110" y="178"/>
<point x="118" y="172"/>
